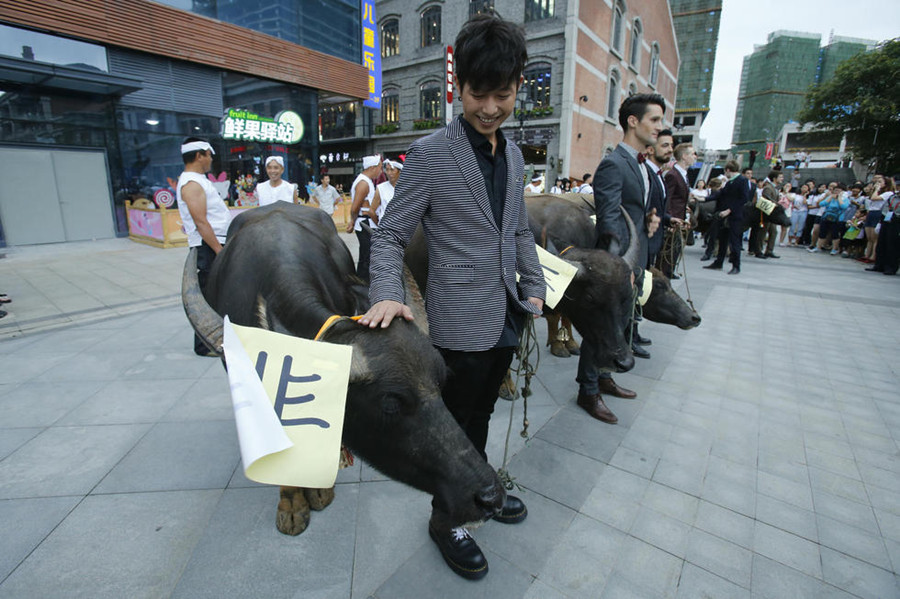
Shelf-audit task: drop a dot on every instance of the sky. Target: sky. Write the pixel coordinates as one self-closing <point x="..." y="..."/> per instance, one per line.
<point x="744" y="24"/>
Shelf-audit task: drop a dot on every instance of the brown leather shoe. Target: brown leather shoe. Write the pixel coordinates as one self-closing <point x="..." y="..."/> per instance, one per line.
<point x="609" y="387"/>
<point x="593" y="405"/>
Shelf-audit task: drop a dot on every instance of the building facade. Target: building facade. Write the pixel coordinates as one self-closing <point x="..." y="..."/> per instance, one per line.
<point x="584" y="58"/>
<point x="697" y="27"/>
<point x="774" y="81"/>
<point x="94" y="105"/>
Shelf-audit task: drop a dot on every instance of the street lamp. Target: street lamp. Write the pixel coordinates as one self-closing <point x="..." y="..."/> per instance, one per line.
<point x="524" y="105"/>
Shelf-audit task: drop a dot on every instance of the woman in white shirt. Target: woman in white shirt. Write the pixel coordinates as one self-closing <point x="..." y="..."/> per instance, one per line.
<point x="798" y="214"/>
<point x="276" y="189"/>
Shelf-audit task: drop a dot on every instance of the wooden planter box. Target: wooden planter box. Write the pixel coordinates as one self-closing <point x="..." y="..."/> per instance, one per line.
<point x="161" y="227"/>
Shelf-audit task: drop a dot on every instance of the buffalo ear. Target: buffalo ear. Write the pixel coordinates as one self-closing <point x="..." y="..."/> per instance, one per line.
<point x="414" y="300"/>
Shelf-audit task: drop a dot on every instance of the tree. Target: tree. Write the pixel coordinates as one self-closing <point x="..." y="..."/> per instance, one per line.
<point x="863" y="101"/>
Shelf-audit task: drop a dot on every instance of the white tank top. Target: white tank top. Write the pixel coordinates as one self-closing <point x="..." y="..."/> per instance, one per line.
<point x="269" y="195"/>
<point x="364" y="210"/>
<point x="216" y="211"/>
<point x="386" y="192"/>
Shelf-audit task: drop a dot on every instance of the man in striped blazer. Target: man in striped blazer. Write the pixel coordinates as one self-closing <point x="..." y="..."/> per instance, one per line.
<point x="478" y="238"/>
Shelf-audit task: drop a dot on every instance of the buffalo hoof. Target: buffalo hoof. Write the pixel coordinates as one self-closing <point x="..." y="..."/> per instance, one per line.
<point x="319" y="499"/>
<point x="558" y="349"/>
<point x="573" y="348"/>
<point x="292" y="516"/>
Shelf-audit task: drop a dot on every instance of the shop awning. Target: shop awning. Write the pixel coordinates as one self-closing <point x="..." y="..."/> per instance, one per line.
<point x="30" y="72"/>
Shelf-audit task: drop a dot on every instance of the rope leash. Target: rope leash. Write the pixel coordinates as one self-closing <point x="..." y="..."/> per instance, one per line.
<point x="528" y="347"/>
<point x="669" y="252"/>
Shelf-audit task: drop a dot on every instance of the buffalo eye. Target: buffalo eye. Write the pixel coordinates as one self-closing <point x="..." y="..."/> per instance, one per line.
<point x="390" y="406"/>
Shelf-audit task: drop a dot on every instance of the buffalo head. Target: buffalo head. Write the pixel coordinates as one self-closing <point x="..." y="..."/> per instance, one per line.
<point x="667" y="307"/>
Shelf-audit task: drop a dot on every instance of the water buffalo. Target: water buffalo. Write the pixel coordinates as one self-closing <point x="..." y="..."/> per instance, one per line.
<point x="704" y="212"/>
<point x="285" y="269"/>
<point x="560" y="222"/>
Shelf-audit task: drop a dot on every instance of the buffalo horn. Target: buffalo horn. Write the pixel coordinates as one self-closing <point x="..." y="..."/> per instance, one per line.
<point x="631" y="254"/>
<point x="414" y="300"/>
<point x="202" y="317"/>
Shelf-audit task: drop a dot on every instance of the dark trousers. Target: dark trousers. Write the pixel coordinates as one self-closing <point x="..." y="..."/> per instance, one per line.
<point x="887" y="252"/>
<point x="205" y="257"/>
<point x="806" y="237"/>
<point x="712" y="235"/>
<point x="365" y="248"/>
<point x="730" y="236"/>
<point x="472" y="388"/>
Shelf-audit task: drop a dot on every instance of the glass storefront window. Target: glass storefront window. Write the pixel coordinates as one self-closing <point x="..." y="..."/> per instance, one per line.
<point x="31" y="45"/>
<point x="338" y="120"/>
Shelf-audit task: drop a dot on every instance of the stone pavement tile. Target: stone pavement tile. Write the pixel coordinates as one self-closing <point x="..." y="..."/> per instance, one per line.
<point x="728" y="493"/>
<point x="573" y="429"/>
<point x="91" y="366"/>
<point x="209" y="398"/>
<point x="849" y="512"/>
<point x="893" y="549"/>
<point x="778" y="466"/>
<point x="614" y="510"/>
<point x="542" y="590"/>
<point x="127" y="402"/>
<point x="66" y="460"/>
<point x="671" y="502"/>
<point x="11" y="345"/>
<point x="70" y="340"/>
<point x="838" y="447"/>
<point x="528" y="544"/>
<point x="720" y="557"/>
<point x="852" y="541"/>
<point x="873" y="442"/>
<point x="116" y="546"/>
<point x="661" y="531"/>
<point x="206" y="454"/>
<point x="25" y="523"/>
<point x="685" y="475"/>
<point x="859" y="578"/>
<point x="180" y="363"/>
<point x="879" y="459"/>
<point x="788" y="549"/>
<point x="870" y="423"/>
<point x="582" y="561"/>
<point x="649" y="567"/>
<point x="737" y="473"/>
<point x="43" y="404"/>
<point x="874" y="476"/>
<point x="239" y="480"/>
<point x="695" y="440"/>
<point x="13" y="438"/>
<point x="787" y="517"/>
<point x="402" y="528"/>
<point x="368" y="474"/>
<point x="734" y="448"/>
<point x="22" y="366"/>
<point x="795" y="493"/>
<point x="888" y="524"/>
<point x="262" y="562"/>
<point x="696" y="582"/>
<point x="790" y="449"/>
<point x="832" y="463"/>
<point x="848" y="488"/>
<point x="725" y="524"/>
<point x="619" y="587"/>
<point x="555" y="472"/>
<point x="634" y="462"/>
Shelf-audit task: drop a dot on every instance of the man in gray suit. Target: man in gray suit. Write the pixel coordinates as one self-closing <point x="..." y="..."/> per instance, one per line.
<point x="478" y="238"/>
<point x="621" y="180"/>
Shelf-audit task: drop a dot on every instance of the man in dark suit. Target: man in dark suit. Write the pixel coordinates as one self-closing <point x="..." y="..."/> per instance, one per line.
<point x="621" y="180"/>
<point x="730" y="206"/>
<point x="478" y="238"/>
<point x="678" y="193"/>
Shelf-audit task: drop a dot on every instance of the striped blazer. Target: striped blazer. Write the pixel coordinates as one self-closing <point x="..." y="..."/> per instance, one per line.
<point x="472" y="262"/>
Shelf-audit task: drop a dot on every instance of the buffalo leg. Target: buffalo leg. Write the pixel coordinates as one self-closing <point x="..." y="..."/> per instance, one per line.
<point x="557" y="345"/>
<point x="319" y="499"/>
<point x="507" y="387"/>
<point x="571" y="345"/>
<point x="292" y="516"/>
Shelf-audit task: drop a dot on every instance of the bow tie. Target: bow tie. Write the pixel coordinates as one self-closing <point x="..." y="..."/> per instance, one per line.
<point x="641" y="158"/>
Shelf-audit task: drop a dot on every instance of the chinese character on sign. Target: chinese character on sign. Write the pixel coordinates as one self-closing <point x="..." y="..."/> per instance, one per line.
<point x="252" y="130"/>
<point x="371" y="59"/>
<point x="346" y="156"/>
<point x="281" y="397"/>
<point x="368" y="14"/>
<point x="228" y="128"/>
<point x="368" y="37"/>
<point x="269" y="131"/>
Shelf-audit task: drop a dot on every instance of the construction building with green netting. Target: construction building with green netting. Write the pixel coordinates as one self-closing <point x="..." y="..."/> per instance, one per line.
<point x="774" y="81"/>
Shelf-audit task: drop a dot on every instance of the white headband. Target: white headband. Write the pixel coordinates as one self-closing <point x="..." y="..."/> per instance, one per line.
<point x="370" y="161"/>
<point x="396" y="165"/>
<point x="277" y="159"/>
<point x="196" y="145"/>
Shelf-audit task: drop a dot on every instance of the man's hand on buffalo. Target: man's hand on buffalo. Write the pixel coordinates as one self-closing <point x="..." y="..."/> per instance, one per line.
<point x="652" y="222"/>
<point x="538" y="303"/>
<point x="385" y="311"/>
<point x="677" y="222"/>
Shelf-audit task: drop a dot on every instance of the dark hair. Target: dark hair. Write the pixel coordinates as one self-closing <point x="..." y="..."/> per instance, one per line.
<point x="636" y="105"/>
<point x="666" y="132"/>
<point x="774" y="175"/>
<point x="586" y="176"/>
<point x="732" y="166"/>
<point x="191" y="156"/>
<point x="744" y="170"/>
<point x="489" y="53"/>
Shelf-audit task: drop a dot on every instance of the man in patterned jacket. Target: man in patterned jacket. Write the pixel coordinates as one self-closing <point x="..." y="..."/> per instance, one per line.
<point x="478" y="238"/>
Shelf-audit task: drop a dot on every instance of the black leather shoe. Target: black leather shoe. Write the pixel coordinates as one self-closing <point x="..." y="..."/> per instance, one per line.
<point x="771" y="255"/>
<point x="762" y="256"/>
<point x="674" y="277"/>
<point x="461" y="552"/>
<point x="875" y="269"/>
<point x="513" y="512"/>
<point x="636" y="338"/>
<point x="705" y="257"/>
<point x="734" y="270"/>
<point x="714" y="266"/>
<point x="639" y="352"/>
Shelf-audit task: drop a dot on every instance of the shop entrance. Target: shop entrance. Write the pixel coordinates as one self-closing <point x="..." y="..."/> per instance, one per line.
<point x="50" y="196"/>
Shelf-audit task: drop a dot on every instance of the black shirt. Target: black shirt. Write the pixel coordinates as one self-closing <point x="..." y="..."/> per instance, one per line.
<point x="493" y="169"/>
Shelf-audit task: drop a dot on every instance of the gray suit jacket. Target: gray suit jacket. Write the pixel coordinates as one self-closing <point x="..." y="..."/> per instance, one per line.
<point x="619" y="182"/>
<point x="472" y="261"/>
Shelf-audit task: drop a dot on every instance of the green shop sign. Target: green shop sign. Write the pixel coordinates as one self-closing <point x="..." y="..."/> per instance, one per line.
<point x="240" y="124"/>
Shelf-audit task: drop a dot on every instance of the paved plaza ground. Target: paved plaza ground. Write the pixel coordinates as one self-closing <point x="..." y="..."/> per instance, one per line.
<point x="759" y="460"/>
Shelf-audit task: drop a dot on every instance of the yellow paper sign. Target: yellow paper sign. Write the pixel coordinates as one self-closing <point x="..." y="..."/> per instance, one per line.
<point x="765" y="205"/>
<point x="304" y="383"/>
<point x="646" y="288"/>
<point x="557" y="275"/>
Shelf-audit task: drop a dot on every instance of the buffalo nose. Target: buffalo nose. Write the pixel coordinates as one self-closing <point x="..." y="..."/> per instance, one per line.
<point x="695" y="318"/>
<point x="491" y="497"/>
<point x="624" y="364"/>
